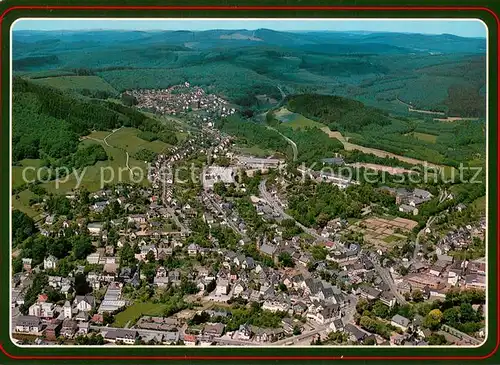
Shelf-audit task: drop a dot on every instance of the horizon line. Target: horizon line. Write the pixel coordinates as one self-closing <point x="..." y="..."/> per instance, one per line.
<point x="241" y="29"/>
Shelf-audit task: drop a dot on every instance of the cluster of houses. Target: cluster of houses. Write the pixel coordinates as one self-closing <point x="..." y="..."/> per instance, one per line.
<point x="435" y="279"/>
<point x="409" y="200"/>
<point x="180" y="99"/>
<point x="68" y="320"/>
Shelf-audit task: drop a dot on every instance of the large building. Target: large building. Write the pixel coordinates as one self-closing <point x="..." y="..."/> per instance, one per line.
<point x="259" y="163"/>
<point x="420" y="281"/>
<point x="215" y="174"/>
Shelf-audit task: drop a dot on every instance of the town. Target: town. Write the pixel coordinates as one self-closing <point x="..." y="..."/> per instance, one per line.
<point x="222" y="248"/>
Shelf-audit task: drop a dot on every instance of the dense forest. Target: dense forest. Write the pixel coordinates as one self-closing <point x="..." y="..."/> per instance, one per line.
<point x="431" y="72"/>
<point x="424" y="139"/>
<point x="315" y="204"/>
<point x="253" y="134"/>
<point x="337" y="112"/>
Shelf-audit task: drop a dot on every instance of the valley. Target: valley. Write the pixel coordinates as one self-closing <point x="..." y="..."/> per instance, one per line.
<point x="233" y="187"/>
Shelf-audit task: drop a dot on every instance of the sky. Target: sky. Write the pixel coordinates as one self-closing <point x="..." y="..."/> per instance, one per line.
<point x="459" y="27"/>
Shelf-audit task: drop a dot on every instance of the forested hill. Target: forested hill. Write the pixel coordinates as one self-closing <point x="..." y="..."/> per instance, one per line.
<point x="391" y="71"/>
<point x="48" y="124"/>
<point x="337" y="112"/>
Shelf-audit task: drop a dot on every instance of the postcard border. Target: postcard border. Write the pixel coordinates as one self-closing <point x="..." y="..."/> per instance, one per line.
<point x="278" y="8"/>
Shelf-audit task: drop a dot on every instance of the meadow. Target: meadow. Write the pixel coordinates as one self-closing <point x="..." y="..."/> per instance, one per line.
<point x="116" y="168"/>
<point x="76" y="83"/>
<point x="295" y="120"/>
<point x="136" y="310"/>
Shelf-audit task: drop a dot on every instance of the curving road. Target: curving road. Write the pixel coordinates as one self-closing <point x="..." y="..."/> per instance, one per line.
<point x="442" y="197"/>
<point x="277" y="208"/>
<point x="386" y="277"/>
<point x="292" y="143"/>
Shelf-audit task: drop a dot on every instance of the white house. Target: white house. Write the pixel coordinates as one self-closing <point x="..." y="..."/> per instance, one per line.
<point x="84" y="303"/>
<point x="222" y="287"/>
<point x="238" y="289"/>
<point x="193" y="249"/>
<point x="28" y="324"/>
<point x="50" y="262"/>
<point x="42" y="310"/>
<point x="95" y="229"/>
<point x="94" y="258"/>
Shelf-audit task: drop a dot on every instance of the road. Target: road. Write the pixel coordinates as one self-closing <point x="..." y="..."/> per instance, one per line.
<point x="418" y="246"/>
<point x="277" y="208"/>
<point x="109" y="135"/>
<point x="442" y="197"/>
<point x="223" y="213"/>
<point x="292" y="143"/>
<point x="302" y="336"/>
<point x="386" y="277"/>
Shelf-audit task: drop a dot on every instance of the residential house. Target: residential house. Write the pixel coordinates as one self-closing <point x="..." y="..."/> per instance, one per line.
<point x="475" y="281"/>
<point x="356" y="334"/>
<point x="337" y="325"/>
<point x="238" y="288"/>
<point x="193" y="249"/>
<point x="267" y="334"/>
<point x="244" y="332"/>
<point x="369" y="292"/>
<point x="84" y="303"/>
<point x="28" y="324"/>
<point x="50" y="262"/>
<point x="83" y="328"/>
<point x="26" y="264"/>
<point x="69" y="328"/>
<point x="400" y="322"/>
<point x="125" y="336"/>
<point x="213" y="329"/>
<point x="222" y="287"/>
<point x="43" y="310"/>
<point x="94" y="258"/>
<point x="95" y="229"/>
<point x="388" y="299"/>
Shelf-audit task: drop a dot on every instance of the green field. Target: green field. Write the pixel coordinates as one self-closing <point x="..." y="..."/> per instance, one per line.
<point x="254" y="151"/>
<point x="93" y="83"/>
<point x="480" y="203"/>
<point x="126" y="139"/>
<point x="136" y="310"/>
<point x="22" y="203"/>
<point x="114" y="168"/>
<point x="98" y="134"/>
<point x="431" y="138"/>
<point x="296" y="120"/>
<point x="391" y="239"/>
<point x="17" y="171"/>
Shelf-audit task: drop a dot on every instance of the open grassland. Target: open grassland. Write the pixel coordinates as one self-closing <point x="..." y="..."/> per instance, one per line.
<point x="348" y="146"/>
<point x="30" y="174"/>
<point x="20" y="202"/>
<point x="127" y="140"/>
<point x="424" y="137"/>
<point x="254" y="151"/>
<point x="93" y="83"/>
<point x="114" y="170"/>
<point x="480" y="203"/>
<point x="296" y="120"/>
<point x="136" y="310"/>
<point x="98" y="135"/>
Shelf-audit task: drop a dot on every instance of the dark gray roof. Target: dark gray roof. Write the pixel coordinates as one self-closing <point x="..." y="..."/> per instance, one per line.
<point x="400" y="320"/>
<point x="121" y="333"/>
<point x="30" y="321"/>
<point x="355" y="331"/>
